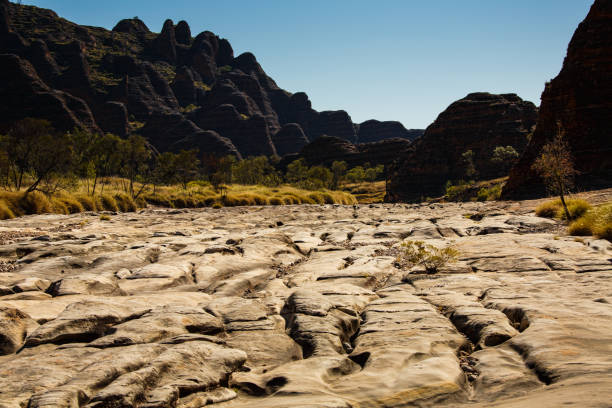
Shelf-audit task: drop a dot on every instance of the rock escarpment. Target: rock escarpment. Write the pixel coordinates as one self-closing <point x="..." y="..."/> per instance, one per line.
<point x="121" y="80"/>
<point x="478" y="122"/>
<point x="307" y="306"/>
<point x="580" y="100"/>
<point x="375" y="131"/>
<point x="327" y="149"/>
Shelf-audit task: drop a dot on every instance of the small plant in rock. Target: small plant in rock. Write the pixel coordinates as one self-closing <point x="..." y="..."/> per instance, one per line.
<point x="432" y="258"/>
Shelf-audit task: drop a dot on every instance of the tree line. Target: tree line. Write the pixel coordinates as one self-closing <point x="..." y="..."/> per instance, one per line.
<point x="34" y="156"/>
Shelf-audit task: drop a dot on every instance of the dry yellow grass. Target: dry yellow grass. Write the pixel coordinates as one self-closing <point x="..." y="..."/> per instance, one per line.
<point x="597" y="222"/>
<point x="114" y="198"/>
<point x="553" y="209"/>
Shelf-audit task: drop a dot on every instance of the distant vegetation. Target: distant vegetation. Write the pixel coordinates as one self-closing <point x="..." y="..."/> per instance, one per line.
<point x="42" y="171"/>
<point x="467" y="189"/>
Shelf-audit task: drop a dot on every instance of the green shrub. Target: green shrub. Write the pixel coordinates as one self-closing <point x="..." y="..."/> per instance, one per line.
<point x="431" y="257"/>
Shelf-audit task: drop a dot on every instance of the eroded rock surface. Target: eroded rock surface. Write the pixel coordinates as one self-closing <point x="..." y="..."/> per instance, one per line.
<point x="303" y="306"/>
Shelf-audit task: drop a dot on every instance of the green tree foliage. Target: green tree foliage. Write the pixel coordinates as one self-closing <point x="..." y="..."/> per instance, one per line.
<point x="34" y="148"/>
<point x="255" y="170"/>
<point x="297" y="172"/>
<point x="504" y="157"/>
<point x="470" y="166"/>
<point x="338" y="169"/>
<point x="318" y="177"/>
<point x="356" y="174"/>
<point x="135" y="154"/>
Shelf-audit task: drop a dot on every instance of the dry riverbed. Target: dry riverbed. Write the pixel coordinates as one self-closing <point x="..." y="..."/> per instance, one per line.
<point x="303" y="306"/>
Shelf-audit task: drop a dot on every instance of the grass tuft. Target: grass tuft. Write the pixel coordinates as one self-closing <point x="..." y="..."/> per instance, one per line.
<point x="553" y="209"/>
<point x="596" y="221"/>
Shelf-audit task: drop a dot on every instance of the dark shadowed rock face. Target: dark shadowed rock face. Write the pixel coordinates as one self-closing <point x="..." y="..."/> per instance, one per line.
<point x="478" y="122"/>
<point x="183" y="33"/>
<point x="25" y="94"/>
<point x="333" y="123"/>
<point x="375" y="131"/>
<point x="130" y="72"/>
<point x="173" y="132"/>
<point x="165" y="43"/>
<point x="580" y="98"/>
<point x="114" y="117"/>
<point x="327" y="149"/>
<point x="249" y="134"/>
<point x="290" y="139"/>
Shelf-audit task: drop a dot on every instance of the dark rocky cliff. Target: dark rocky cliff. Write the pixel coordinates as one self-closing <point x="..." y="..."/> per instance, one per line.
<point x="580" y="99"/>
<point x="172" y="88"/>
<point x="478" y="122"/>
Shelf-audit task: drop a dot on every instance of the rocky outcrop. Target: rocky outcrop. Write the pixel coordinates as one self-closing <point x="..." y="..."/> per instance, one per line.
<point x="114" y="117"/>
<point x="26" y="95"/>
<point x="173" y="132"/>
<point x="133" y="26"/>
<point x="164" y="44"/>
<point x="278" y="306"/>
<point x="130" y="72"/>
<point x="478" y="122"/>
<point x="327" y="149"/>
<point x="375" y="131"/>
<point x="580" y="100"/>
<point x="250" y="135"/>
<point x="182" y="33"/>
<point x="290" y="139"/>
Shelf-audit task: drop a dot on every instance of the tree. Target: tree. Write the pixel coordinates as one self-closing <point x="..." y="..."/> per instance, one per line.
<point x="468" y="161"/>
<point x="556" y="167"/>
<point x="297" y="172"/>
<point x="106" y="156"/>
<point x="136" y="153"/>
<point x="504" y="157"/>
<point x="356" y="174"/>
<point x="338" y="169"/>
<point x="373" y="173"/>
<point x="33" y="147"/>
<point x="186" y="166"/>
<point x="318" y="177"/>
<point x="165" y="171"/>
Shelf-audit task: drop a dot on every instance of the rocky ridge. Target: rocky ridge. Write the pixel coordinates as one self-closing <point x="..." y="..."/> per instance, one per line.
<point x="177" y="90"/>
<point x="579" y="99"/>
<point x="478" y="122"/>
<point x="300" y="306"/>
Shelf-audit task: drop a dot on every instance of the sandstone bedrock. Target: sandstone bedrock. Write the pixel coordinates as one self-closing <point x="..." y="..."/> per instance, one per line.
<point x="303" y="306"/>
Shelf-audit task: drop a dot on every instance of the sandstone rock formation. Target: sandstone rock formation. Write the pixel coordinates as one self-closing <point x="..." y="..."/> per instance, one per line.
<point x="580" y="100"/>
<point x="96" y="79"/>
<point x="299" y="306"/>
<point x="327" y="149"/>
<point x="290" y="139"/>
<point x="478" y="122"/>
<point x="375" y="131"/>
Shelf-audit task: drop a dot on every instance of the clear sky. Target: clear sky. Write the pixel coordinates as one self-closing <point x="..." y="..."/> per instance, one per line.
<point x="403" y="60"/>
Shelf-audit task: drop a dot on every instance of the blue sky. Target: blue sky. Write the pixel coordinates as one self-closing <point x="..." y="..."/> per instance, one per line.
<point x="403" y="60"/>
